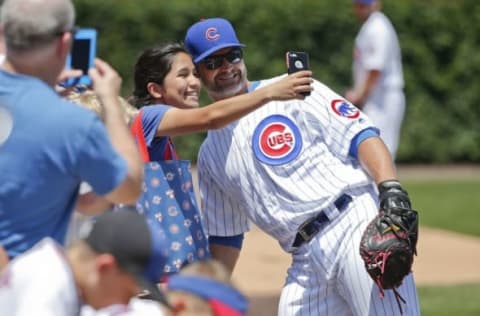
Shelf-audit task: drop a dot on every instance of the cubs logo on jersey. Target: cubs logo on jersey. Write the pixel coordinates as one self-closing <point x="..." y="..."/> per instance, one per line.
<point x="345" y="109"/>
<point x="276" y="140"/>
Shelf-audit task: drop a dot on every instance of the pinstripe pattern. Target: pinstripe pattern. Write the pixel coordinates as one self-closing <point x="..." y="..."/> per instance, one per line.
<point x="327" y="276"/>
<point x="234" y="183"/>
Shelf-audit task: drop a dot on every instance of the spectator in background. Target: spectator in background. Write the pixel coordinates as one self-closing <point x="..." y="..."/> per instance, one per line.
<point x="120" y="255"/>
<point x="54" y="145"/>
<point x="377" y="72"/>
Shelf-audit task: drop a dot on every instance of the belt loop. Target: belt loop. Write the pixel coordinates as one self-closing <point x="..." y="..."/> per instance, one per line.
<point x="342" y="202"/>
<point x="312" y="226"/>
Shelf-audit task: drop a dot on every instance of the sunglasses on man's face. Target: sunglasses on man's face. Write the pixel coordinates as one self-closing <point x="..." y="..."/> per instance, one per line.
<point x="216" y="61"/>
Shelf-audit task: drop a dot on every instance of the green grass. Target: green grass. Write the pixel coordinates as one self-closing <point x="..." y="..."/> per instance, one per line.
<point x="461" y="300"/>
<point x="453" y="205"/>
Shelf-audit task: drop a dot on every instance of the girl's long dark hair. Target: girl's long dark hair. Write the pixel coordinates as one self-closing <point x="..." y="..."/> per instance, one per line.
<point x="153" y="65"/>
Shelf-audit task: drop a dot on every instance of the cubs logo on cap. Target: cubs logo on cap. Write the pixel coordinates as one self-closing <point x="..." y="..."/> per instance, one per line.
<point x="276" y="140"/>
<point x="208" y="36"/>
<point x="211" y="34"/>
<point x="345" y="109"/>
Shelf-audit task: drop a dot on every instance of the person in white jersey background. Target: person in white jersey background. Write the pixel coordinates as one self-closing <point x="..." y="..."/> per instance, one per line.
<point x="377" y="72"/>
<point x="305" y="172"/>
<point x="121" y="254"/>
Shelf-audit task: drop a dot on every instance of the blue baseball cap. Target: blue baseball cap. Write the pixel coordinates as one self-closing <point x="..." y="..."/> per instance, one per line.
<point x="224" y="300"/>
<point x="208" y="36"/>
<point x="137" y="245"/>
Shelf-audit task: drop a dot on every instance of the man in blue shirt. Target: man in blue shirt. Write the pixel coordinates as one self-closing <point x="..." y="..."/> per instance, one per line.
<point x="47" y="144"/>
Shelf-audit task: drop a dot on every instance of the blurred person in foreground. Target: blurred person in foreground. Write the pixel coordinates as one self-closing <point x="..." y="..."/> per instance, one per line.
<point x="201" y="288"/>
<point x="204" y="288"/>
<point x="48" y="145"/>
<point x="120" y="255"/>
<point x="377" y="72"/>
<point x="88" y="99"/>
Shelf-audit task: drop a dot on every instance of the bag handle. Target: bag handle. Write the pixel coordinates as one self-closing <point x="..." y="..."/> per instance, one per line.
<point x="170" y="152"/>
<point x="137" y="131"/>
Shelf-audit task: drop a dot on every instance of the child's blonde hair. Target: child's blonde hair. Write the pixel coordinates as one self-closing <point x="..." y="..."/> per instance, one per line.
<point x="208" y="268"/>
<point x="90" y="101"/>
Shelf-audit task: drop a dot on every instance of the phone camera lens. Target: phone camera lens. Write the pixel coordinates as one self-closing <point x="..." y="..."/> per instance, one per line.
<point x="299" y="64"/>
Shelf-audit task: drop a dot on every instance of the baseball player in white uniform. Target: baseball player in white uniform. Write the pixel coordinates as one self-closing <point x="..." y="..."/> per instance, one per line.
<point x="377" y="72"/>
<point x="302" y="171"/>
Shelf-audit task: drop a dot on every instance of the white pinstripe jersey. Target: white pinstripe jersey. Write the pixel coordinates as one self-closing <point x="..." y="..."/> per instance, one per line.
<point x="377" y="48"/>
<point x="39" y="282"/>
<point x="280" y="165"/>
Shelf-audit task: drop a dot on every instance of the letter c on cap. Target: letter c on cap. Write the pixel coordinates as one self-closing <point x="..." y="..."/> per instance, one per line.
<point x="212" y="34"/>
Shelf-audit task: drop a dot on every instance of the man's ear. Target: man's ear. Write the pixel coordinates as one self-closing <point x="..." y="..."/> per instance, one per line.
<point x="178" y="307"/>
<point x="64" y="44"/>
<point x="105" y="262"/>
<point x="155" y="90"/>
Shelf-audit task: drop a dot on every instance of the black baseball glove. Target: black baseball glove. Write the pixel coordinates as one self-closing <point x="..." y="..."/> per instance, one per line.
<point x="389" y="242"/>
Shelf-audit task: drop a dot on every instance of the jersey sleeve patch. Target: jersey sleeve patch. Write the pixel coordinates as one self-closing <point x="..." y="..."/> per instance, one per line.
<point x="345" y="109"/>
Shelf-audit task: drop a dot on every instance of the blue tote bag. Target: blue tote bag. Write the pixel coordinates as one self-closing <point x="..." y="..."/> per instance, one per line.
<point x="168" y="199"/>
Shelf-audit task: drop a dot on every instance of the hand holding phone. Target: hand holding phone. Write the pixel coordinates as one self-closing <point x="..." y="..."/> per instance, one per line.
<point x="82" y="56"/>
<point x="297" y="61"/>
<point x="106" y="80"/>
